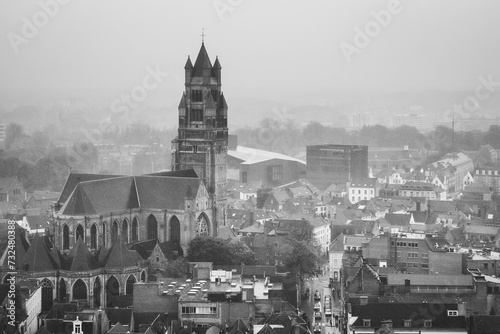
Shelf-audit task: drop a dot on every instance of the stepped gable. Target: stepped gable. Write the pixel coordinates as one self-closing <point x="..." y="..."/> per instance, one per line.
<point x="80" y="258"/>
<point x="119" y="256"/>
<point x="75" y="178"/>
<point x="38" y="257"/>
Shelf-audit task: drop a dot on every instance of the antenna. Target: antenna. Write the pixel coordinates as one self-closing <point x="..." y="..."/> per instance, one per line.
<point x="202" y="35"/>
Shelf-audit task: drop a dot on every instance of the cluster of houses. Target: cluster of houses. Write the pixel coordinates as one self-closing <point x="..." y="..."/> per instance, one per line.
<point x="414" y="241"/>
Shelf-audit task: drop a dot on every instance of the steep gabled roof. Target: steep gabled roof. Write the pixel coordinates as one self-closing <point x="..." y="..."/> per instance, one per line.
<point x="123" y="193"/>
<point x="144" y="248"/>
<point x="119" y="328"/>
<point x="118" y="256"/>
<point x="239" y="327"/>
<point x="102" y="196"/>
<point x="74" y="178"/>
<point x="81" y="258"/>
<point x="38" y="257"/>
<point x="164" y="192"/>
<point x="398" y="219"/>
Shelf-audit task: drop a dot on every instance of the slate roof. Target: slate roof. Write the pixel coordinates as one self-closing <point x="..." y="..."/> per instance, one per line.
<point x="74" y="178"/>
<point x="119" y="328"/>
<point x="477" y="229"/>
<point x="144" y="248"/>
<point x="118" y="256"/>
<point x="337" y="245"/>
<point x="169" y="247"/>
<point x="417" y="312"/>
<point x="117" y="194"/>
<point x="38" y="222"/>
<point x="301" y="192"/>
<point x="443" y="206"/>
<point x="38" y="257"/>
<point x="267" y="329"/>
<point x="364" y="182"/>
<point x="398" y="219"/>
<point x="239" y="327"/>
<point x="119" y="315"/>
<point x="202" y="62"/>
<point x="80" y="258"/>
<point x="419" y="216"/>
<point x="426" y="279"/>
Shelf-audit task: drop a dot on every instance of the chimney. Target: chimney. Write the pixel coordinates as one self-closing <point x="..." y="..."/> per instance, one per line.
<point x="461" y="308"/>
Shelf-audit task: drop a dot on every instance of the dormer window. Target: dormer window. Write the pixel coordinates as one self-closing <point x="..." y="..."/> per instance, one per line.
<point x="452" y="313"/>
<point x="367" y="322"/>
<point x="427" y="323"/>
<point x="407" y="322"/>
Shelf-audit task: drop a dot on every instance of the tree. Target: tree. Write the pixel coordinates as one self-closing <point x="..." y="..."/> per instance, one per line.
<point x="178" y="268"/>
<point x="218" y="251"/>
<point x="13" y="135"/>
<point x="298" y="257"/>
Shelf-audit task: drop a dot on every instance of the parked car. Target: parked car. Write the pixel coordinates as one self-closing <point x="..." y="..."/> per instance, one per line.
<point x="317" y="307"/>
<point x="328" y="312"/>
<point x="317" y="315"/>
<point x="317" y="296"/>
<point x="317" y="328"/>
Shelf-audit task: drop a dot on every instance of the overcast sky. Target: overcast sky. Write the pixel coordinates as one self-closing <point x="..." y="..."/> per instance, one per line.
<point x="263" y="45"/>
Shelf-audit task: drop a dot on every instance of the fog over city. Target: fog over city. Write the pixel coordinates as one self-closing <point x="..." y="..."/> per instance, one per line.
<point x="348" y="57"/>
<point x="249" y="166"/>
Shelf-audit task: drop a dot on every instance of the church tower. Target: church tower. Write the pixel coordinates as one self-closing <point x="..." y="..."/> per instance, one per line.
<point x="202" y="139"/>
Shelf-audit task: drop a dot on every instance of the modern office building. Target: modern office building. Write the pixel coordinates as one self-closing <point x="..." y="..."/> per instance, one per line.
<point x="328" y="164"/>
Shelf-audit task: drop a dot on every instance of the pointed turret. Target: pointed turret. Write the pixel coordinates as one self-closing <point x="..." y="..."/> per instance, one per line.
<point x="182" y="103"/>
<point x="217" y="64"/>
<point x="189" y="64"/>
<point x="119" y="256"/>
<point x="38" y="257"/>
<point x="188" y="69"/>
<point x="222" y="102"/>
<point x="81" y="258"/>
<point x="202" y="66"/>
<point x="216" y="70"/>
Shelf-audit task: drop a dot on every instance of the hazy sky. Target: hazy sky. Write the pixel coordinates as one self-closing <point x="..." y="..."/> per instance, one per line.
<point x="263" y="45"/>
